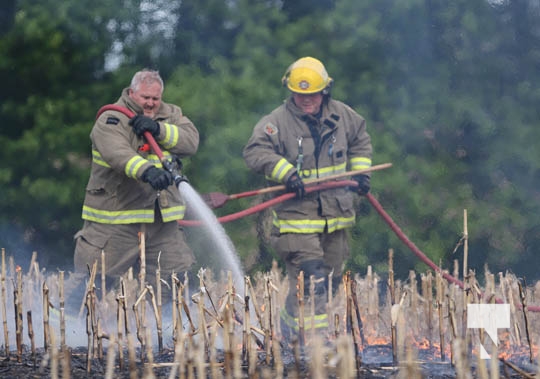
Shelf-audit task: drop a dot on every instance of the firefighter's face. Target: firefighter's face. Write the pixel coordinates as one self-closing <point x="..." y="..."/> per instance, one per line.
<point x="148" y="96"/>
<point x="310" y="104"/>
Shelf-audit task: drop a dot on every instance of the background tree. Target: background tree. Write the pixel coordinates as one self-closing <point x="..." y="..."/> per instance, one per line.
<point x="52" y="71"/>
<point x="447" y="90"/>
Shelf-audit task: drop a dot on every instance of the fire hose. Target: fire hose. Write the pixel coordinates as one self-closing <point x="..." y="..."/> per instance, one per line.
<point x="424" y="258"/>
<point x="317" y="187"/>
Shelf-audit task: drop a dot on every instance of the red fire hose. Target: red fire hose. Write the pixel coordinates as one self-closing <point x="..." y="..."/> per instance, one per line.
<point x="396" y="229"/>
<point x="399" y="233"/>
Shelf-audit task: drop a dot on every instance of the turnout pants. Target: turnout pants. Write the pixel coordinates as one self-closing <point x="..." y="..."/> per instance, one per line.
<point x="316" y="254"/>
<point x="120" y="243"/>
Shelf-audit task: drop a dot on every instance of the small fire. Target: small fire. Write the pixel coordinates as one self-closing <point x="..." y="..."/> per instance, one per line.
<point x="377" y="340"/>
<point x="510" y="351"/>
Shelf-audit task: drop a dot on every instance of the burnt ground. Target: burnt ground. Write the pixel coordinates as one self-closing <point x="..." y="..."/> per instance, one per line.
<point x="376" y="363"/>
<point x="376" y="360"/>
<point x="39" y="365"/>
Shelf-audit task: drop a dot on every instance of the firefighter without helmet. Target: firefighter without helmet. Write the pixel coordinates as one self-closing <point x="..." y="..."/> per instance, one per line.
<point x="306" y="76"/>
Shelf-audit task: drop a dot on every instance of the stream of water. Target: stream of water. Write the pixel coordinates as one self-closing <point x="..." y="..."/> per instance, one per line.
<point x="225" y="249"/>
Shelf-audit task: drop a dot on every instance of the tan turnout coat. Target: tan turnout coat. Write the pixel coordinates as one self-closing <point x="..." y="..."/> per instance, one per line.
<point x="334" y="143"/>
<point x="115" y="193"/>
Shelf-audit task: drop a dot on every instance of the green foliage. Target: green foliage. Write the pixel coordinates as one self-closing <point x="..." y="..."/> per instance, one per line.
<point x="52" y="71"/>
<point x="447" y="92"/>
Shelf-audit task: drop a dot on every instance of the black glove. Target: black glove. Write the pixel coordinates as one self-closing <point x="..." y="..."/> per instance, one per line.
<point x="295" y="184"/>
<point x="363" y="184"/>
<point x="141" y="124"/>
<point x="159" y="179"/>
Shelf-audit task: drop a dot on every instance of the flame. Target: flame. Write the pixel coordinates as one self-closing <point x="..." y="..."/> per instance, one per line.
<point x="377" y="340"/>
<point x="507" y="349"/>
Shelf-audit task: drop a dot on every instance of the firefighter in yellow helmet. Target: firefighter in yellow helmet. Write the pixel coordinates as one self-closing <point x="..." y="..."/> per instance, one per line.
<point x="307" y="76"/>
<point x="311" y="135"/>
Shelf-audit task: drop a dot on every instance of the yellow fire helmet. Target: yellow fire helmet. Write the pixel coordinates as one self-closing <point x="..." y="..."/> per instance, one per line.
<point x="306" y="76"/>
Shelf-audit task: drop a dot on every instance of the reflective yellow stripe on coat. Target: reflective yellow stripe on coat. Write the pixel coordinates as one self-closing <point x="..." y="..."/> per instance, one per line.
<point x="280" y="170"/>
<point x="117" y="217"/>
<point x="312" y="226"/>
<point x="359" y="163"/>
<point x="174" y="213"/>
<point x="171" y="136"/>
<point x="323" y="172"/>
<point x="131" y="216"/>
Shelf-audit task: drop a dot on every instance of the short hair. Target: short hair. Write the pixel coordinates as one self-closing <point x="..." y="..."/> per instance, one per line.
<point x="146" y="76"/>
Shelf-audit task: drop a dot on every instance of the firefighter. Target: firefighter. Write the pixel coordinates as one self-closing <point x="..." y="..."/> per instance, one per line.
<point x="129" y="191"/>
<point x="311" y="135"/>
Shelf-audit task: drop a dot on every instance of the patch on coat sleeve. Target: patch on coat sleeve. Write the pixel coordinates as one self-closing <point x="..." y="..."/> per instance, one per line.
<point x="270" y="129"/>
<point x="112" y="120"/>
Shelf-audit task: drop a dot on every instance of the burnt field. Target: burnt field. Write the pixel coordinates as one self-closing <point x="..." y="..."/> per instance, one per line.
<point x="216" y="328"/>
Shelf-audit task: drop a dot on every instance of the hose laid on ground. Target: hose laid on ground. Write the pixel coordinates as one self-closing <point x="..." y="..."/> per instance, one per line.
<point x="399" y="233"/>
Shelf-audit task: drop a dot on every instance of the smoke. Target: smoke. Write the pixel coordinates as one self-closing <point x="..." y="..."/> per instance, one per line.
<point x="41" y="303"/>
<point x="41" y="292"/>
<point x="17" y="242"/>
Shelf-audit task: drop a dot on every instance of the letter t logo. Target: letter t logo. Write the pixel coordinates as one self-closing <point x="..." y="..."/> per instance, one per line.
<point x="489" y="317"/>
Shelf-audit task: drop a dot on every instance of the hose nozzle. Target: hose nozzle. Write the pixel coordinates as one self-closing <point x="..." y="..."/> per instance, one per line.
<point x="174" y="166"/>
<point x="179" y="179"/>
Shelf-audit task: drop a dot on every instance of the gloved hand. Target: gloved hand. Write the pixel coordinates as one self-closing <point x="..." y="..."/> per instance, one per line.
<point x="295" y="184"/>
<point x="364" y="184"/>
<point x="141" y="124"/>
<point x="159" y="179"/>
